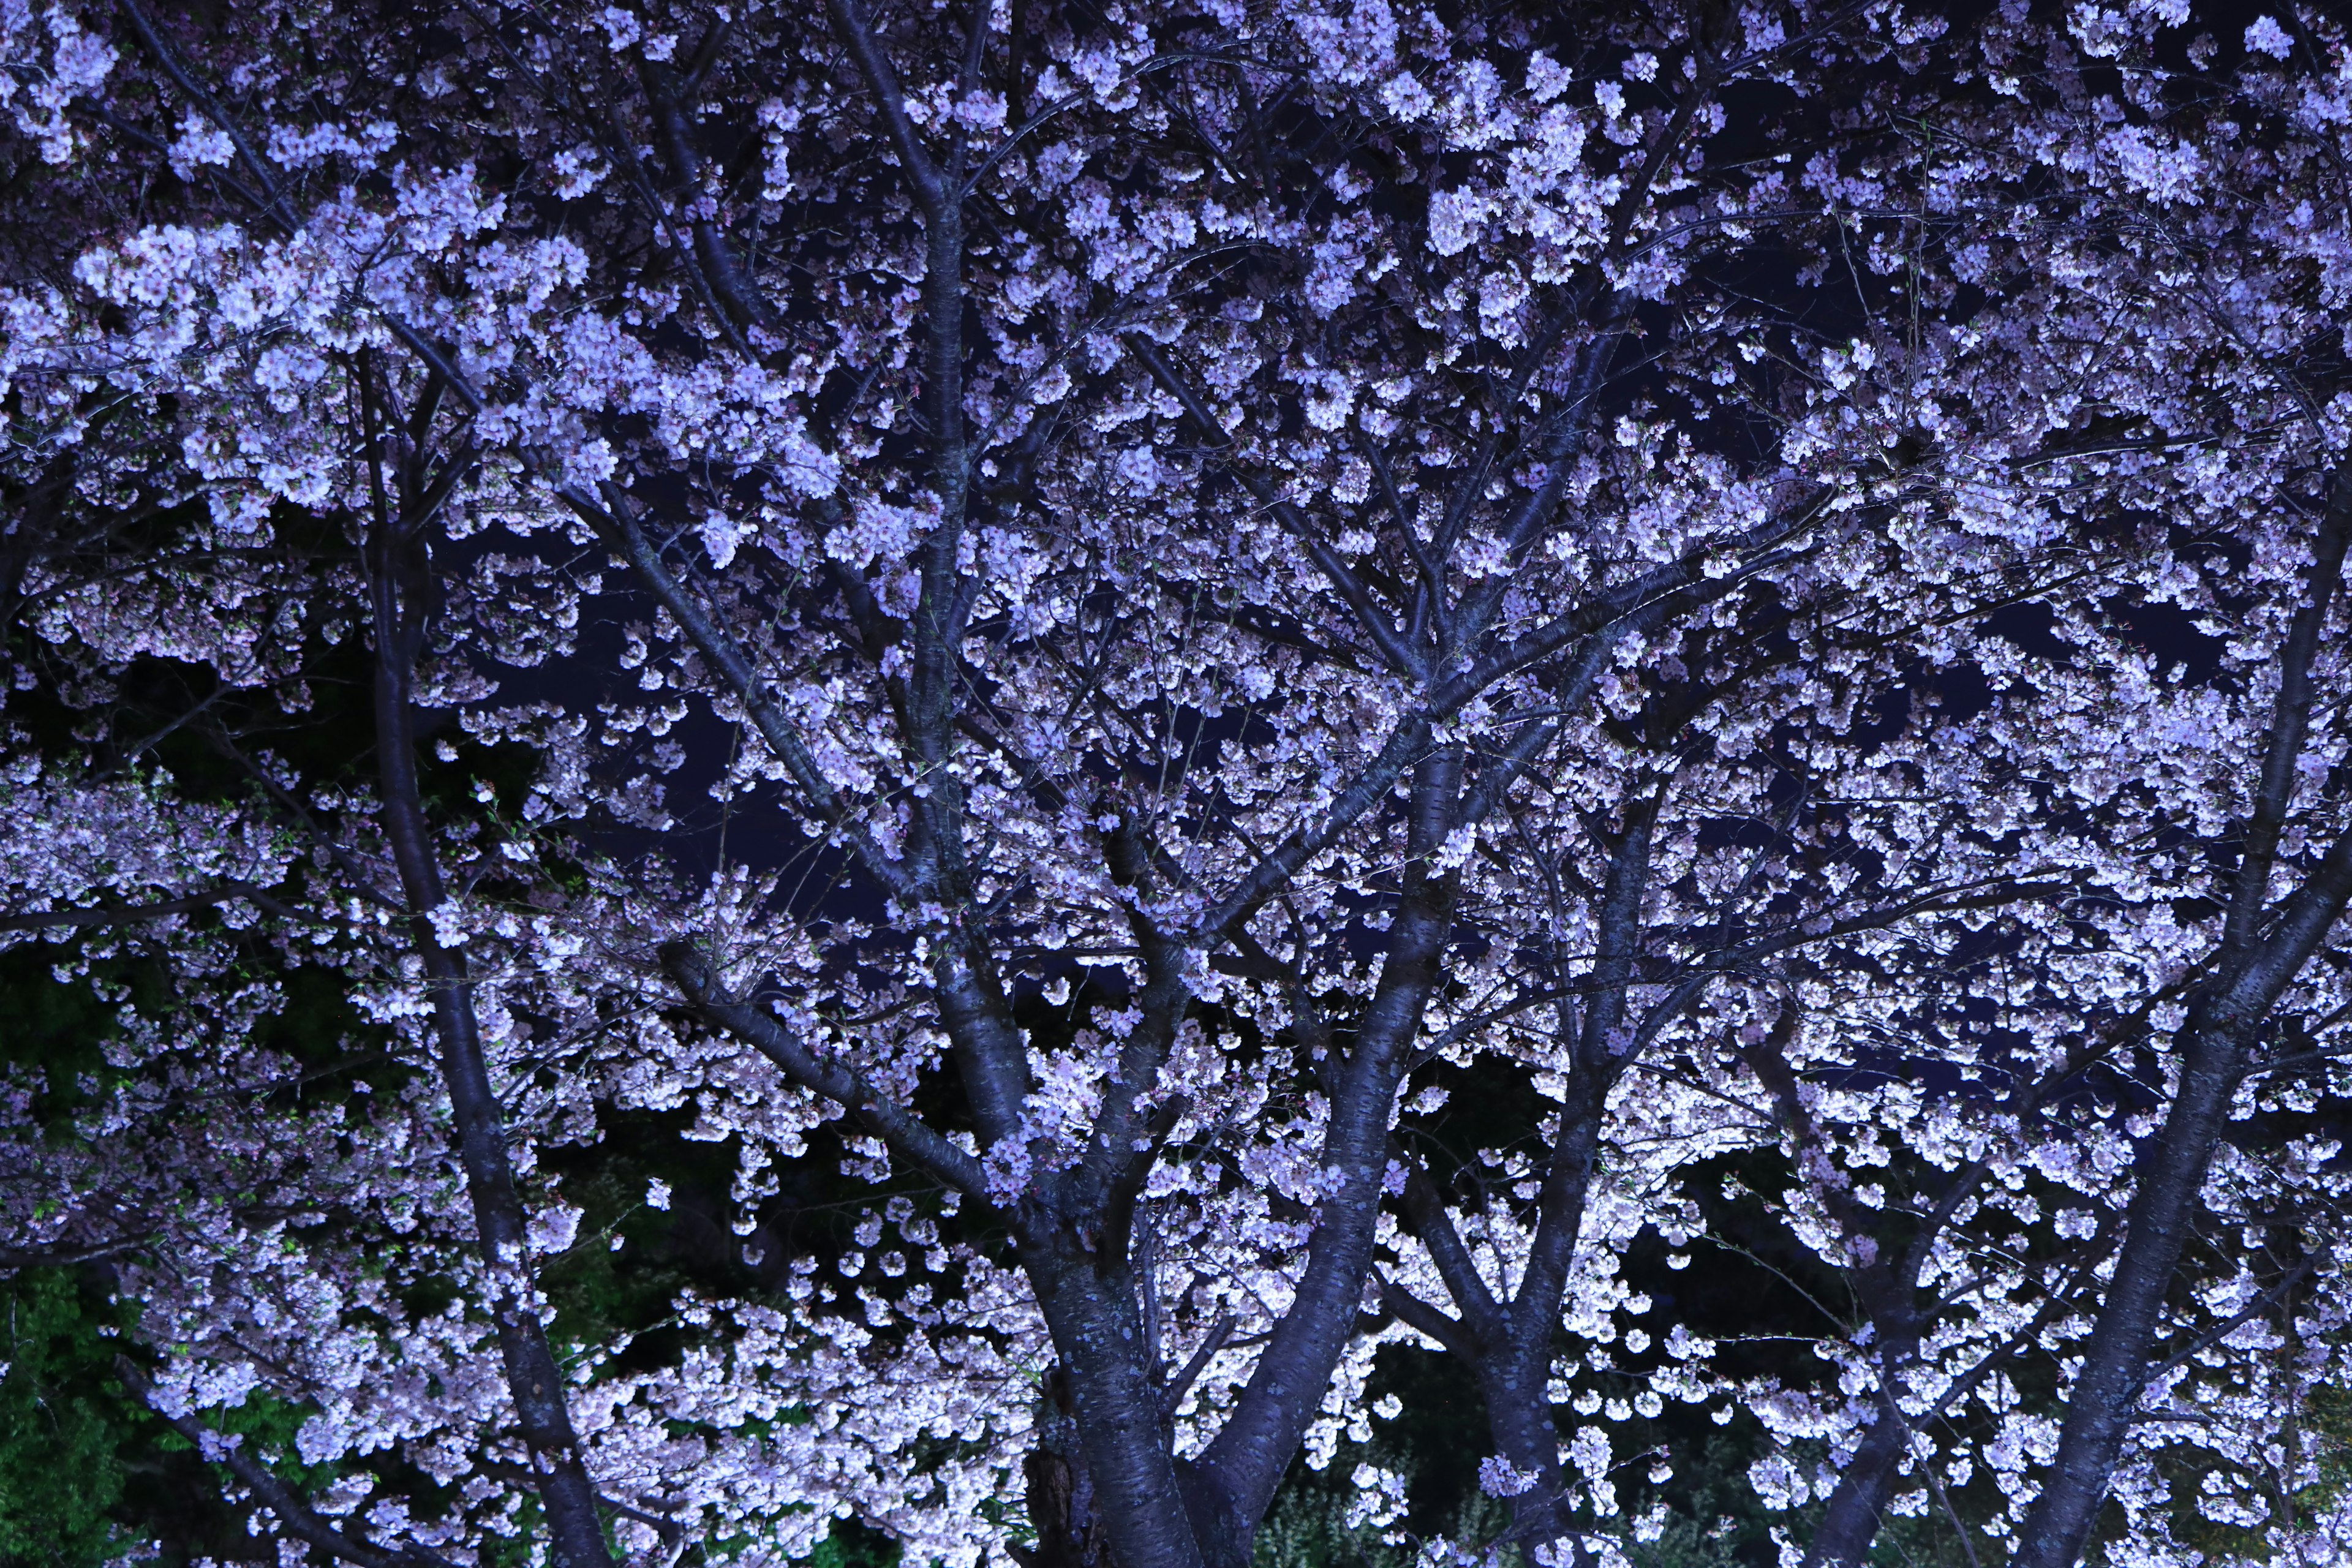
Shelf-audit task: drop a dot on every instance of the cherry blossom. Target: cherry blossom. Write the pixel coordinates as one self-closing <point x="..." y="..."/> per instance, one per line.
<point x="1274" y="686"/>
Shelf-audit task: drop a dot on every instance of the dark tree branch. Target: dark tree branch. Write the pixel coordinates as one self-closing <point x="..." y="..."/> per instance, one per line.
<point x="303" y="1521"/>
<point x="403" y="591"/>
<point x="1270" y="1417"/>
<point x="2169" y="1169"/>
<point x="1197" y="1361"/>
<point x="850" y="21"/>
<point x="131" y="914"/>
<point x="1418" y="1315"/>
<point x="1483" y="1324"/>
<point x="621" y="534"/>
<point x="1400" y="656"/>
<point x="896" y="1126"/>
<point x="256" y="167"/>
<point x="2275" y="791"/>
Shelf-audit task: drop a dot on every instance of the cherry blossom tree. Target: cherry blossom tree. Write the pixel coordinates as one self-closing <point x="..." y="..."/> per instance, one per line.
<point x="1268" y="681"/>
<point x="2125" y="197"/>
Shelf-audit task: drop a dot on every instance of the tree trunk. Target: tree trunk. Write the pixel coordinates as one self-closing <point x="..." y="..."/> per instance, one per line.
<point x="403" y="592"/>
<point x="1850" y="1523"/>
<point x="1061" y="1493"/>
<point x="2107" y="1395"/>
<point x="1105" y="1470"/>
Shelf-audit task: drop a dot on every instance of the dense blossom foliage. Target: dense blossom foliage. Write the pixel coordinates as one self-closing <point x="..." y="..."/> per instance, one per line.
<point x="1130" y="707"/>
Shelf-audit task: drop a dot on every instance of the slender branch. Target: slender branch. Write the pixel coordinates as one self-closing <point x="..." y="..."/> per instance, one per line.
<point x="1482" y="1318"/>
<point x="900" y="1128"/>
<point x="1535" y="1309"/>
<point x="1401" y="657"/>
<point x="131" y="914"/>
<point x="299" y="1519"/>
<point x="850" y="20"/>
<point x="706" y="54"/>
<point x="2222" y="1331"/>
<point x="621" y="532"/>
<point x="268" y="197"/>
<point x="1270" y="1417"/>
<point x="435" y="359"/>
<point x="255" y="165"/>
<point x="1136" y="72"/>
<point x="1642" y="603"/>
<point x="2291" y="714"/>
<point x="14" y="1259"/>
<point x="404" y="592"/>
<point x="1419" y="1315"/>
<point x="1678" y="586"/>
<point x="1197" y="1361"/>
<point x="1944" y="1500"/>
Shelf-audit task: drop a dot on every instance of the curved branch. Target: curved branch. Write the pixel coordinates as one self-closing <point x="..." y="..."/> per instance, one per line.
<point x="273" y="199"/>
<point x="131" y="914"/>
<point x="856" y="30"/>
<point x="898" y="1127"/>
<point x="1417" y="1314"/>
<point x="1401" y="657"/>
<point x="2291" y="714"/>
<point x="298" y="1518"/>
<point x="628" y="541"/>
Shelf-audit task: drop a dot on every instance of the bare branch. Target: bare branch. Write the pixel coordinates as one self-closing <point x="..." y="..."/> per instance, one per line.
<point x="303" y="1521"/>
<point x="900" y="1128"/>
<point x="2291" y="714"/>
<point x="131" y="914"/>
<point x="856" y="30"/>
<point x="1382" y="628"/>
<point x="628" y="540"/>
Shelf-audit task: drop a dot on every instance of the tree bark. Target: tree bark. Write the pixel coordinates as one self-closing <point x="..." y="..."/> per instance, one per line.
<point x="1851" y="1519"/>
<point x="1253" y="1450"/>
<point x="2105" y="1397"/>
<point x="1060" y="1490"/>
<point x="2264" y="946"/>
<point x="403" y="598"/>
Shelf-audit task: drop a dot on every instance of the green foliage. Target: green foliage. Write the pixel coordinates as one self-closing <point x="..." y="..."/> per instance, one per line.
<point x="1307" y="1526"/>
<point x="86" y="1475"/>
<point x="2325" y="1431"/>
<point x="850" y="1544"/>
<point x="269" y="1426"/>
<point x="1713" y="1519"/>
<point x="2327" y="1426"/>
<point x="599" y="1294"/>
<point x="517" y="1548"/>
<point x="58" y="1030"/>
<point x="62" y="1438"/>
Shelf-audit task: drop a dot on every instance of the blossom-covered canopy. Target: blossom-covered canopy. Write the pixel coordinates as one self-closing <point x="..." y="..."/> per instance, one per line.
<point x="914" y="761"/>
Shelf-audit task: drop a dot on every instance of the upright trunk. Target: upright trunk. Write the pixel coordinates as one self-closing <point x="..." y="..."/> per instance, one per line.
<point x="1850" y="1521"/>
<point x="1105" y="1473"/>
<point x="1059" y="1489"/>
<point x="2106" y="1393"/>
<point x="543" y="1418"/>
<point x="1519" y="1386"/>
<point x="1886" y="1292"/>
<point x="1510" y="1345"/>
<point x="2265" y="944"/>
<point x="1254" y="1447"/>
